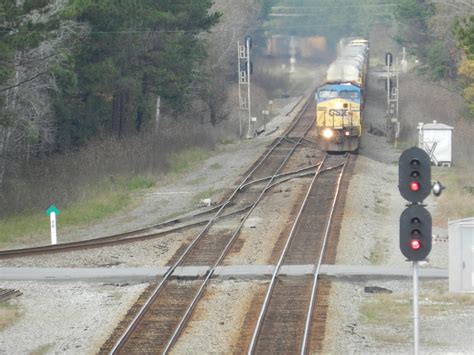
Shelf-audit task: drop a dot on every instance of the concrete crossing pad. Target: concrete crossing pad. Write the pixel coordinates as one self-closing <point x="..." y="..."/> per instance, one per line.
<point x="248" y="272"/>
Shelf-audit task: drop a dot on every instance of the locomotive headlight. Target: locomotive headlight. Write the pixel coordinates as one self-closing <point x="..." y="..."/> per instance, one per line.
<point x="328" y="133"/>
<point x="338" y="105"/>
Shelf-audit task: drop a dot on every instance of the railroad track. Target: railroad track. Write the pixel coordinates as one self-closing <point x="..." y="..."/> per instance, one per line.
<point x="287" y="312"/>
<point x="158" y="319"/>
<point x="163" y="310"/>
<point x="235" y="204"/>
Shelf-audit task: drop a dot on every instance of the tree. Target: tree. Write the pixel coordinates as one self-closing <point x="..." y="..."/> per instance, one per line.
<point x="464" y="32"/>
<point x="25" y="57"/>
<point x="218" y="73"/>
<point x="135" y="52"/>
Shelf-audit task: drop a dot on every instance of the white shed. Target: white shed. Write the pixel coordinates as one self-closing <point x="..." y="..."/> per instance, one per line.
<point x="461" y="255"/>
<point x="436" y="139"/>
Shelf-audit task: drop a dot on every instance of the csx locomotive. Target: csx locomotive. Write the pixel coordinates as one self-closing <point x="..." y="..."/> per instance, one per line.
<point x="340" y="101"/>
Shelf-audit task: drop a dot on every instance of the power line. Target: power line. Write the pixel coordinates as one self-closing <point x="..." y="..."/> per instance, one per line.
<point x="250" y="28"/>
<point x="332" y="6"/>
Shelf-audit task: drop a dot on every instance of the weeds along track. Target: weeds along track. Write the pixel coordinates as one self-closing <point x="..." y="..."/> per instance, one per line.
<point x="283" y="322"/>
<point x="235" y="204"/>
<point x="156" y="323"/>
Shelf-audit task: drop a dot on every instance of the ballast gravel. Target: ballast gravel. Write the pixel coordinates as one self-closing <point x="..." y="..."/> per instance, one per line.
<point x="76" y="318"/>
<point x="64" y="318"/>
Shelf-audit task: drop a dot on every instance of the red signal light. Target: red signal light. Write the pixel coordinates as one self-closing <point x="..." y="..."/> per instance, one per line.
<point x="415" y="244"/>
<point x="414" y="186"/>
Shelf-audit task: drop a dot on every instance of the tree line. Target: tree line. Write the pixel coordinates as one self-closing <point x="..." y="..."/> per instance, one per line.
<point x="442" y="36"/>
<point x="438" y="32"/>
<point x="71" y="70"/>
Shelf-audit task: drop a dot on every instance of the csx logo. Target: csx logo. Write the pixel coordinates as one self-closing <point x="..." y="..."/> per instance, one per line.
<point x="340" y="112"/>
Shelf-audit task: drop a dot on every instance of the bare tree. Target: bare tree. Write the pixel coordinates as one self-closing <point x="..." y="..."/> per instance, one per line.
<point x="239" y="17"/>
<point x="28" y="126"/>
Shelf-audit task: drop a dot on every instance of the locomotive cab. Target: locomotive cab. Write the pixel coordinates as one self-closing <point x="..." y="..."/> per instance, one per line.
<point x="338" y="118"/>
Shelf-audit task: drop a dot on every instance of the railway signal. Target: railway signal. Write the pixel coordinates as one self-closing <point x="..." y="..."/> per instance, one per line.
<point x="414" y="175"/>
<point x="415" y="233"/>
<point x="414" y="183"/>
<point x="388" y="59"/>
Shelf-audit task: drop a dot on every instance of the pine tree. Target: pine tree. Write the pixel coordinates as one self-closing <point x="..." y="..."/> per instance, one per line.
<point x="136" y="51"/>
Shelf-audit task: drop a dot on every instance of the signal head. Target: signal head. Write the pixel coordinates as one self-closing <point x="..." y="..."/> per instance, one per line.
<point x="415" y="233"/>
<point x="414" y="175"/>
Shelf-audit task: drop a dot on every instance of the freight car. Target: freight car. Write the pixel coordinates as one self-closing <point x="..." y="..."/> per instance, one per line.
<point x="302" y="48"/>
<point x="340" y="101"/>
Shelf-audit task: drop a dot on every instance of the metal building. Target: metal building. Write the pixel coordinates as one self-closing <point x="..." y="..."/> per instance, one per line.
<point x="461" y="255"/>
<point x="436" y="139"/>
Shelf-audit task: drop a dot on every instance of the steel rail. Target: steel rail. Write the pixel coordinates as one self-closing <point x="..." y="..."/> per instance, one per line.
<point x="124" y="337"/>
<point x="289" y="175"/>
<point x="138" y="234"/>
<point x="126" y="235"/>
<point x="309" y="314"/>
<point x="119" y="344"/>
<point x="109" y="240"/>
<point x="276" y="271"/>
<point x="303" y="175"/>
<point x="311" y="141"/>
<point x="229" y="244"/>
<point x="303" y="144"/>
<point x="154" y="229"/>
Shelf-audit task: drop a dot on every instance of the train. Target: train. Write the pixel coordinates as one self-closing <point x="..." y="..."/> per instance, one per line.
<point x="302" y="48"/>
<point x="340" y="100"/>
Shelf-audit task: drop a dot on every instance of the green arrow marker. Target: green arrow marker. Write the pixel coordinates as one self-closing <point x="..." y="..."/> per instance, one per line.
<point x="51" y="209"/>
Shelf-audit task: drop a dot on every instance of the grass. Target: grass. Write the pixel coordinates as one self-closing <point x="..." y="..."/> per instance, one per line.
<point x="380" y="207"/>
<point x="196" y="181"/>
<point x="9" y="314"/>
<point x="380" y="310"/>
<point x="226" y="141"/>
<point x="185" y="160"/>
<point x="43" y="349"/>
<point x="100" y="201"/>
<point x="376" y="256"/>
<point x="457" y="201"/>
<point x="116" y="296"/>
<point x="215" y="166"/>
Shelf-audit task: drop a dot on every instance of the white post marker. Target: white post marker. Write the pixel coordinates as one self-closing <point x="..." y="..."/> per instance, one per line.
<point x="53" y="211"/>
